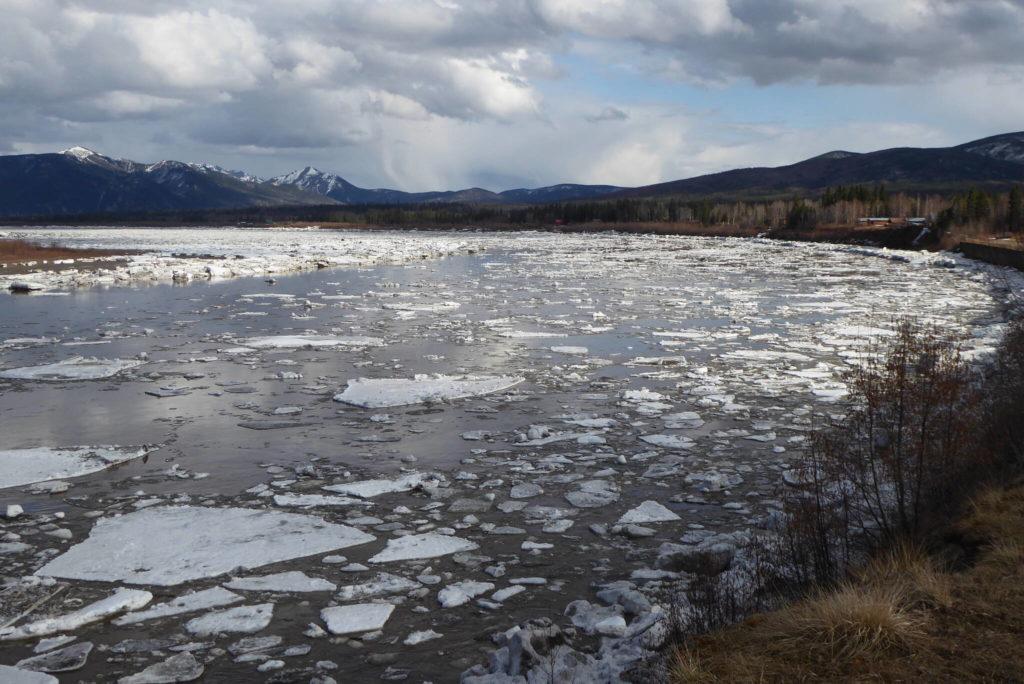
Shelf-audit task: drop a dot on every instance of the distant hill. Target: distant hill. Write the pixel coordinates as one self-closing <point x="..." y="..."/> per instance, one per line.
<point x="999" y="159"/>
<point x="337" y="188"/>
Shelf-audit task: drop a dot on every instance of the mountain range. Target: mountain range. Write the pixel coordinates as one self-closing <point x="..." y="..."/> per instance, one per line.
<point x="78" y="181"/>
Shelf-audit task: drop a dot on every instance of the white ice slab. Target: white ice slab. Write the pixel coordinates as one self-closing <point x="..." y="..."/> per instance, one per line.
<point x="120" y="601"/>
<point x="668" y="441"/>
<point x="576" y="351"/>
<point x="294" y="581"/>
<point x="243" y="619"/>
<point x="76" y="368"/>
<point x="290" y="500"/>
<point x="300" y="341"/>
<point x="387" y="392"/>
<point x="15" y="675"/>
<point x="25" y="466"/>
<point x="462" y="592"/>
<point x="418" y="546"/>
<point x="367" y="489"/>
<point x="357" y="618"/>
<point x="382" y="585"/>
<point x="648" y="512"/>
<point x="189" y="603"/>
<point x="171" y="545"/>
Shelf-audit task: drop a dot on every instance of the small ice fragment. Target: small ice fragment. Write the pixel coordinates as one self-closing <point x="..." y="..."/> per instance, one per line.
<point x="462" y="592"/>
<point x="381" y="585"/>
<point x="293" y="581"/>
<point x="648" y="512"/>
<point x="200" y="600"/>
<point x="385" y="393"/>
<point x="370" y="488"/>
<point x="244" y="619"/>
<point x="120" y="601"/>
<point x="420" y="637"/>
<point x="357" y="618"/>
<point x="418" y="546"/>
<point x="182" y="667"/>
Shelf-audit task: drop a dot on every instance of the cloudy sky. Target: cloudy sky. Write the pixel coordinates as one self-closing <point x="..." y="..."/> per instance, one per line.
<point x="444" y="94"/>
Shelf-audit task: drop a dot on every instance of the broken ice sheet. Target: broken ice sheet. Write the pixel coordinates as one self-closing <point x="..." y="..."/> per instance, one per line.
<point x="382" y="584"/>
<point x="648" y="512"/>
<point x="419" y="546"/>
<point x="367" y="489"/>
<point x="200" y="600"/>
<point x="75" y="368"/>
<point x="120" y="601"/>
<point x="294" y="581"/>
<point x="301" y="341"/>
<point x="357" y="618"/>
<point x="15" y="675"/>
<point x="171" y="545"/>
<point x="182" y="667"/>
<point x="25" y="466"/>
<point x="243" y="619"/>
<point x="388" y="392"/>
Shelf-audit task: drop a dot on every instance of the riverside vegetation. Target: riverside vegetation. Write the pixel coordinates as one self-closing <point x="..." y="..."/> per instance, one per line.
<point x="901" y="552"/>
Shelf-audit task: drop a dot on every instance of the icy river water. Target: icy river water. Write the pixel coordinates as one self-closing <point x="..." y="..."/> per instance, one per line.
<point x="568" y="414"/>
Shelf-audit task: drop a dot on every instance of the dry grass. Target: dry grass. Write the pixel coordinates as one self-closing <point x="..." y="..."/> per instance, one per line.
<point x="21" y="251"/>
<point x="903" y="619"/>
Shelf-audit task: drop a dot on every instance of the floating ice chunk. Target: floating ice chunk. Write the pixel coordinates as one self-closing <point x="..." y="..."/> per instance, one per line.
<point x="668" y="441"/>
<point x="523" y="335"/>
<point x="63" y="660"/>
<point x="418" y="546"/>
<point x="382" y="585"/>
<point x="592" y="422"/>
<point x="420" y="637"/>
<point x="25" y="466"/>
<point x="243" y="619"/>
<point x="310" y="500"/>
<point x="189" y="603"/>
<point x="120" y="601"/>
<point x="508" y="592"/>
<point x="357" y="618"/>
<point x="575" y="351"/>
<point x="370" y="488"/>
<point x="301" y="341"/>
<point x="294" y="581"/>
<point x="76" y="368"/>
<point x="178" y="668"/>
<point x="648" y="512"/>
<point x="171" y="545"/>
<point x="384" y="393"/>
<point x="682" y="420"/>
<point x="642" y="395"/>
<point x="439" y="306"/>
<point x="657" y="361"/>
<point x="15" y="675"/>
<point x="593" y="494"/>
<point x="462" y="592"/>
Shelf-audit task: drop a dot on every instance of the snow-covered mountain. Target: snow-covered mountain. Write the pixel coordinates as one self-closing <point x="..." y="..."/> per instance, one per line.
<point x="1007" y="147"/>
<point x="79" y="180"/>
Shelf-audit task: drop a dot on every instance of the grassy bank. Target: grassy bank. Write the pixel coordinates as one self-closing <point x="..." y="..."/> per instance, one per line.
<point x="899" y="555"/>
<point x="907" y="617"/>
<point x="22" y="251"/>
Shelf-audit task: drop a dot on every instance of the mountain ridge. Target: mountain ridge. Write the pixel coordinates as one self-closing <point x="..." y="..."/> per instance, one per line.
<point x="80" y="180"/>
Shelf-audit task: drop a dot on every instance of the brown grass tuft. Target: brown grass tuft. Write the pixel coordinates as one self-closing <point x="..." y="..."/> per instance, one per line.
<point x="850" y="622"/>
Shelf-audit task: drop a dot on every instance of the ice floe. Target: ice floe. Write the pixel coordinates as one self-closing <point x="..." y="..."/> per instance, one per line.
<point x="385" y="393"/>
<point x="26" y="466"/>
<point x="367" y="489"/>
<point x="75" y="368"/>
<point x="420" y="546"/>
<point x="292" y="582"/>
<point x="214" y="597"/>
<point x="300" y="341"/>
<point x="120" y="601"/>
<point x="357" y="618"/>
<point x="648" y="512"/>
<point x="171" y="545"/>
<point x="242" y="619"/>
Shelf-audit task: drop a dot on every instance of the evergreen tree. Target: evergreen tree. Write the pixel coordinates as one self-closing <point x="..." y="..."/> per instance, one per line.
<point x="1015" y="214"/>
